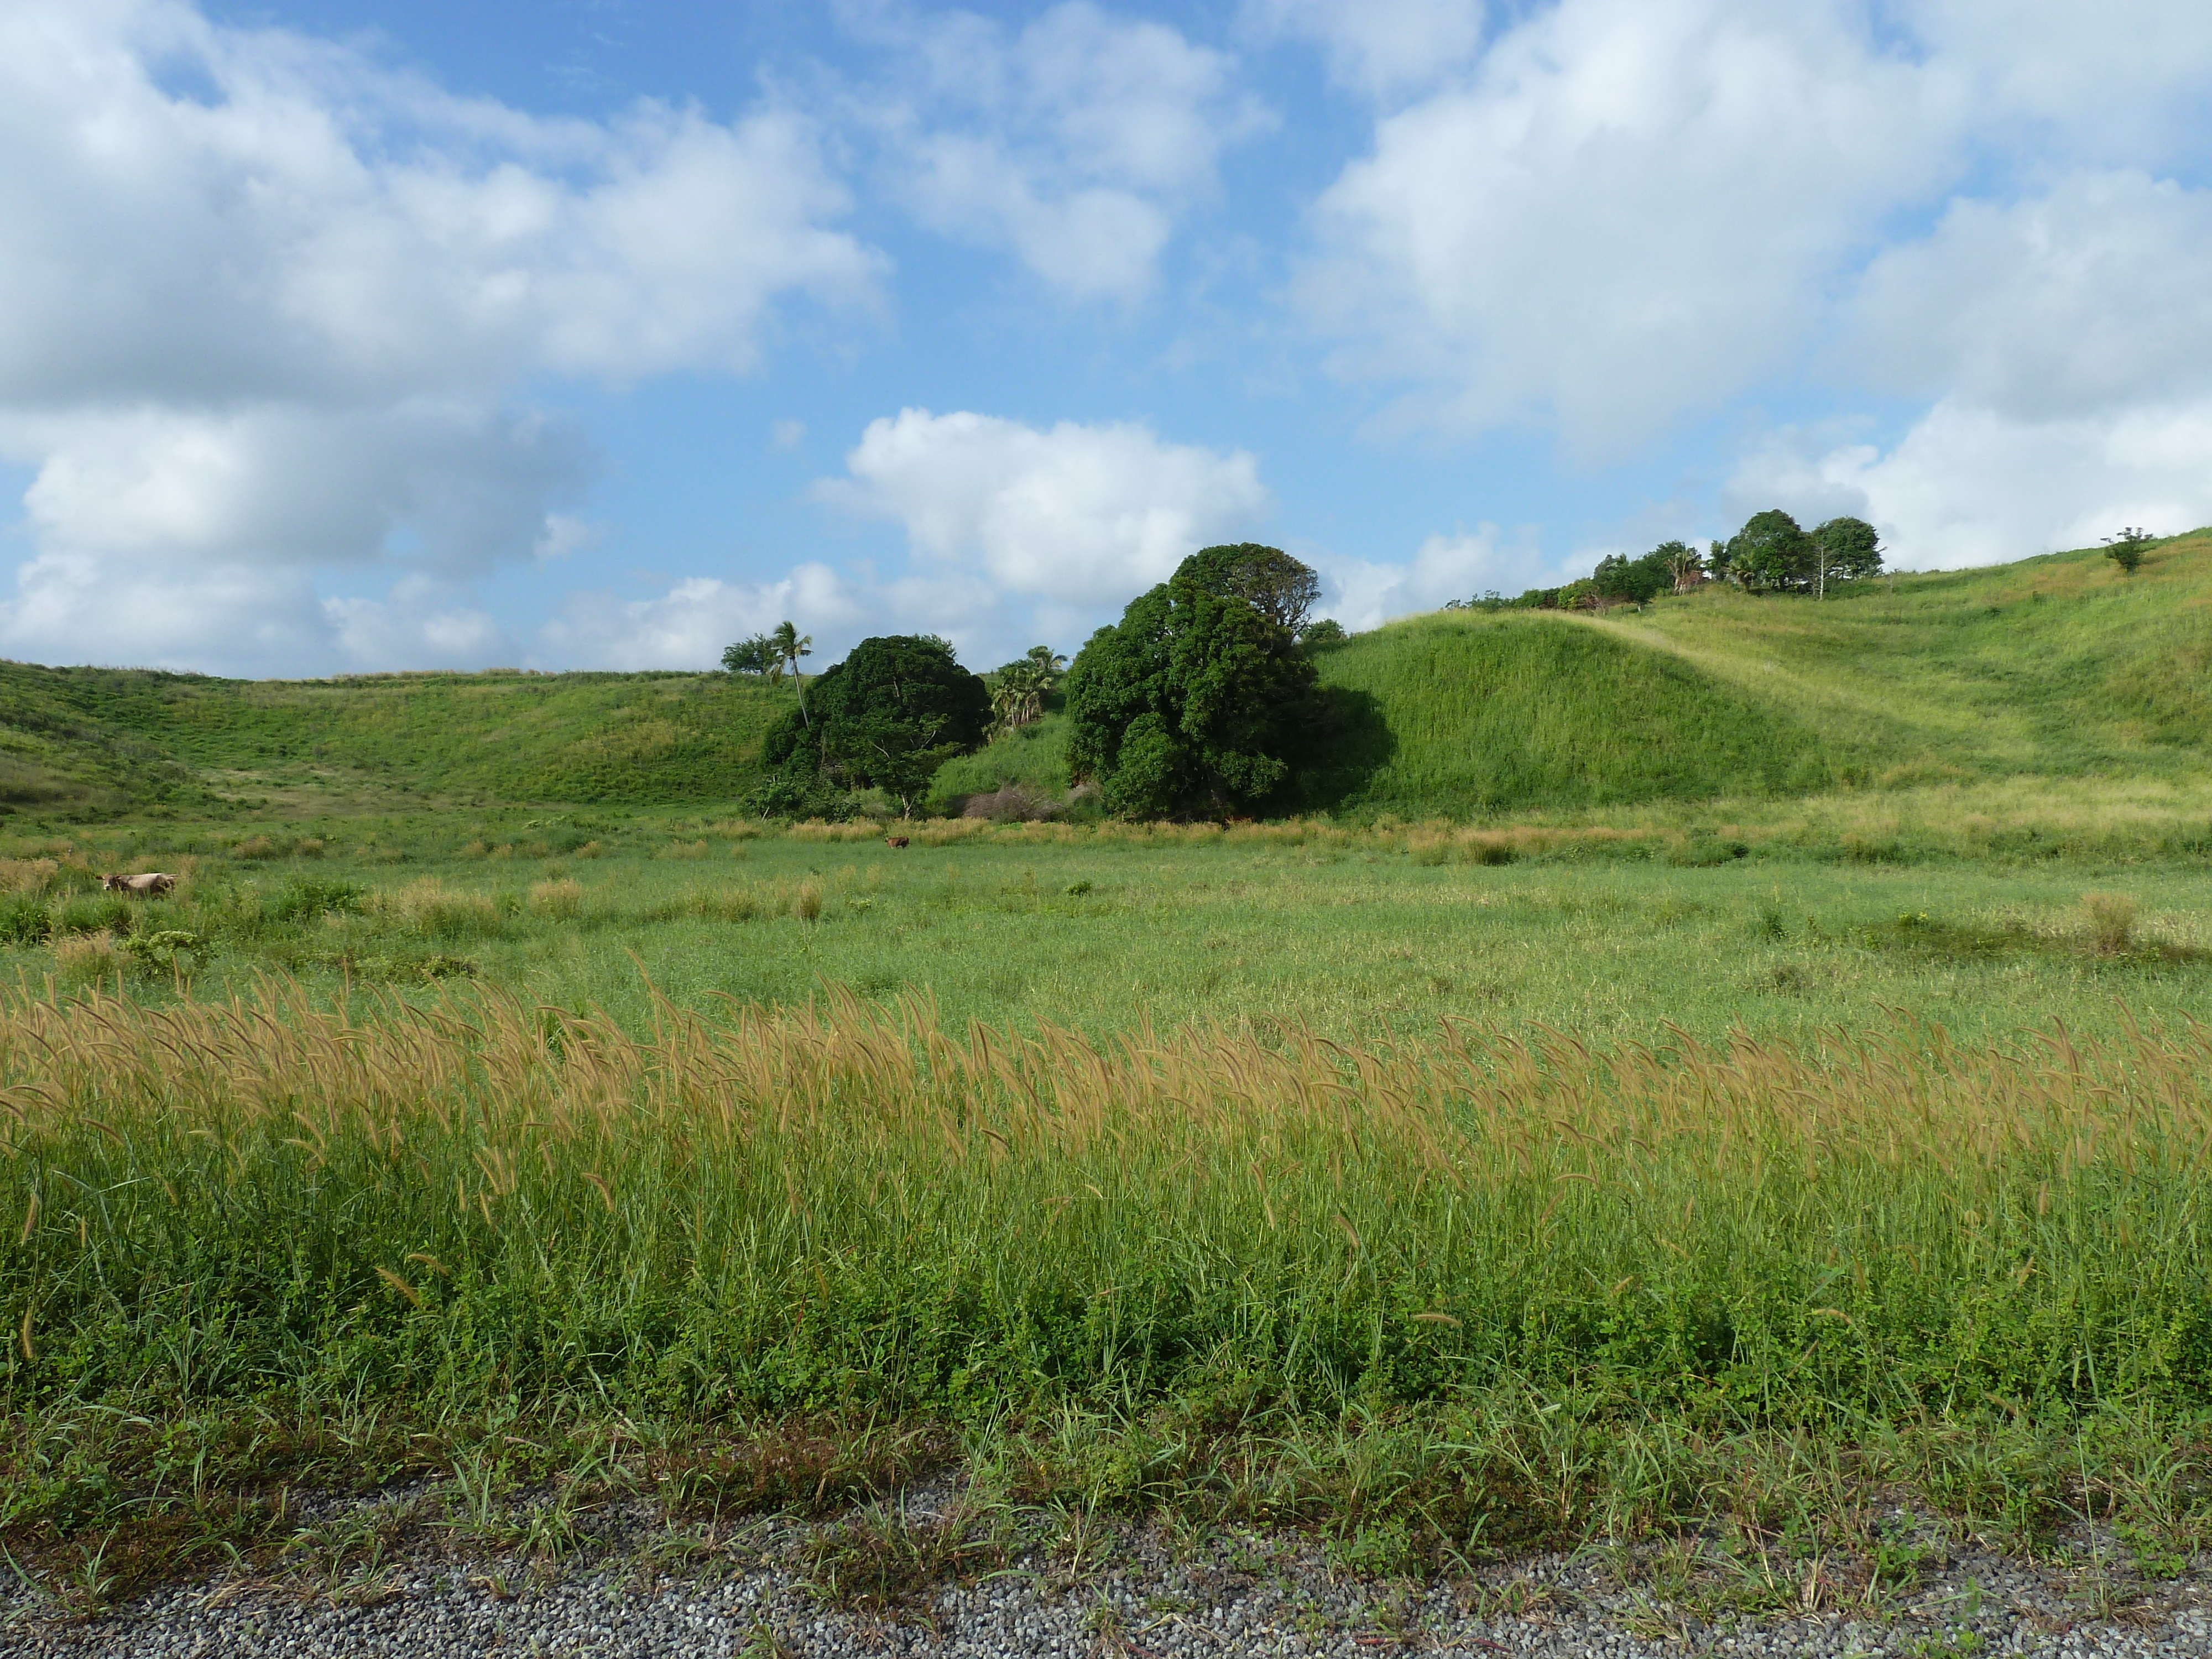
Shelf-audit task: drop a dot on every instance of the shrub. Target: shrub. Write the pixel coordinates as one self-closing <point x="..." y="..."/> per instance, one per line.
<point x="1010" y="803"/>
<point x="2112" y="920"/>
<point x="86" y="958"/>
<point x="2126" y="549"/>
<point x="559" y="899"/>
<point x="304" y="900"/>
<point x="436" y="912"/>
<point x="25" y="920"/>
<point x="808" y="904"/>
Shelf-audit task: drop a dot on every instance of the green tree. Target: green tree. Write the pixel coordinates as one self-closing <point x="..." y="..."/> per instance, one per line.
<point x="786" y="647"/>
<point x="1327" y="631"/>
<point x="1845" y="550"/>
<point x="756" y="655"/>
<point x="1196" y="699"/>
<point x="1771" y="552"/>
<point x="888" y="716"/>
<point x="1019" y="688"/>
<point x="2126" y="549"/>
<point x="1282" y="590"/>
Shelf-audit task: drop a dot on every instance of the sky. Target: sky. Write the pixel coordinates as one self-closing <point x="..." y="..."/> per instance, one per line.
<point x="358" y="334"/>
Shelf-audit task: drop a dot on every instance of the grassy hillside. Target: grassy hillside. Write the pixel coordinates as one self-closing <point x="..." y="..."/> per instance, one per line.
<point x="66" y="742"/>
<point x="2058" y="666"/>
<point x="1462" y="713"/>
<point x="2055" y="667"/>
<point x="93" y="737"/>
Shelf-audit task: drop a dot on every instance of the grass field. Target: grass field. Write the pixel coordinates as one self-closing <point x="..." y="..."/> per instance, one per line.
<point x="1797" y="1104"/>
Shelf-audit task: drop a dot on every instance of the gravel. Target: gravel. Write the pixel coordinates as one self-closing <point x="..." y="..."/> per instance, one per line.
<point x="635" y="1586"/>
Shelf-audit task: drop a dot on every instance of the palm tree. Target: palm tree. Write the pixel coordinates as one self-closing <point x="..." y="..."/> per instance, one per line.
<point x="788" y="646"/>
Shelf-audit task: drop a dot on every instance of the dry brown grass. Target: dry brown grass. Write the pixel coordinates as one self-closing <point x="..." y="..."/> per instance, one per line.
<point x="30" y="875"/>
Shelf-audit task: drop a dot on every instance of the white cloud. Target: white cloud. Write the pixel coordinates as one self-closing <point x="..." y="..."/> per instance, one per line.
<point x="1629" y="211"/>
<point x="1083" y="515"/>
<point x="1075" y="142"/>
<point x="1378" y="47"/>
<point x="289" y="484"/>
<point x="2095" y="294"/>
<point x="688" y="626"/>
<point x="225" y="618"/>
<point x="1365" y="593"/>
<point x="1969" y="486"/>
<point x="267" y="305"/>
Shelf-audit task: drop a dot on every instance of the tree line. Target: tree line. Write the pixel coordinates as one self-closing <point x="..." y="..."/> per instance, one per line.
<point x="1772" y="554"/>
<point x="1192" y="703"/>
<point x="1201" y="701"/>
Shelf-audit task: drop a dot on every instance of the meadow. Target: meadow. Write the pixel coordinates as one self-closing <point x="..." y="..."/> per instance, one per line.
<point x="1756" y="1154"/>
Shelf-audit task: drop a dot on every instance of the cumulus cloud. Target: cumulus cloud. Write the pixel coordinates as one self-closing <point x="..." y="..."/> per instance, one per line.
<point x="688" y="626"/>
<point x="1967" y="485"/>
<point x="1075" y="142"/>
<point x="1082" y="515"/>
<point x="2093" y="294"/>
<point x="1365" y="593"/>
<point x="1378" y="47"/>
<point x="267" y="305"/>
<point x="1627" y="212"/>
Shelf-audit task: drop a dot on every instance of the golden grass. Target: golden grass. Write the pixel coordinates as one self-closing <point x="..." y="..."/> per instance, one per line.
<point x="1470" y="1106"/>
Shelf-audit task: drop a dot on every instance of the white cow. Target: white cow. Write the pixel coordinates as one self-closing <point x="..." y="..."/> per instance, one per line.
<point x="153" y="882"/>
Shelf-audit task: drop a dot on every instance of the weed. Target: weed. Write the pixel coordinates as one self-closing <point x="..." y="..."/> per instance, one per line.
<point x="887" y="1555"/>
<point x="2112" y="920"/>
<point x="558" y="898"/>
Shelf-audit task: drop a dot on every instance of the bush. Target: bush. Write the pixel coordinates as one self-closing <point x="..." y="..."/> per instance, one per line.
<point x="559" y="899"/>
<point x="1195" y="701"/>
<point x="303" y="901"/>
<point x="2126" y="549"/>
<point x="2112" y="920"/>
<point x="25" y="920"/>
<point x="1010" y="804"/>
<point x="436" y="912"/>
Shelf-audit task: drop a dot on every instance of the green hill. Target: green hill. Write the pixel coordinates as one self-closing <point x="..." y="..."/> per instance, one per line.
<point x="2054" y="666"/>
<point x="2058" y="666"/>
<point x="97" y="738"/>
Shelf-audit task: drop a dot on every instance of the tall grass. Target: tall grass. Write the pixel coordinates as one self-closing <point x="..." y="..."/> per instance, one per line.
<point x="841" y="1206"/>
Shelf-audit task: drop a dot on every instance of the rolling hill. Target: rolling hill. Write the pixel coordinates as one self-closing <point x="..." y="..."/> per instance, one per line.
<point x="95" y="740"/>
<point x="2058" y="666"/>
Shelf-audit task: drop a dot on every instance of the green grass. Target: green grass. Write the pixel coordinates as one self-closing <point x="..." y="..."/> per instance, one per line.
<point x="2053" y="668"/>
<point x="1788" y="1093"/>
<point x="1784" y="929"/>
<point x="1034" y="755"/>
<point x="1448" y="1297"/>
<point x="117" y="736"/>
<point x="1467" y="715"/>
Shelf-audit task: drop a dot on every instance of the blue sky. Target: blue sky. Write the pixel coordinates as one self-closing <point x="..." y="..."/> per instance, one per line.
<point x="338" y="336"/>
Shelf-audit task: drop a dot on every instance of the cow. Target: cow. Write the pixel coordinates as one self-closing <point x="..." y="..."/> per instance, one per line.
<point x="153" y="882"/>
<point x="896" y="840"/>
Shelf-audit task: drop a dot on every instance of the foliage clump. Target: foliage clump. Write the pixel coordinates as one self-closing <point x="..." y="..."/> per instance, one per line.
<point x="2126" y="549"/>
<point x="1195" y="701"/>
<point x="886" y="717"/>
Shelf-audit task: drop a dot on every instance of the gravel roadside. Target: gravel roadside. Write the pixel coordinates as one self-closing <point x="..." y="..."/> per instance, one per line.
<point x="638" y="1588"/>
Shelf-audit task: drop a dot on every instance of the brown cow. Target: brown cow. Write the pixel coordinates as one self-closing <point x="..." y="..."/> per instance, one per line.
<point x="896" y="840"/>
<point x="153" y="882"/>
